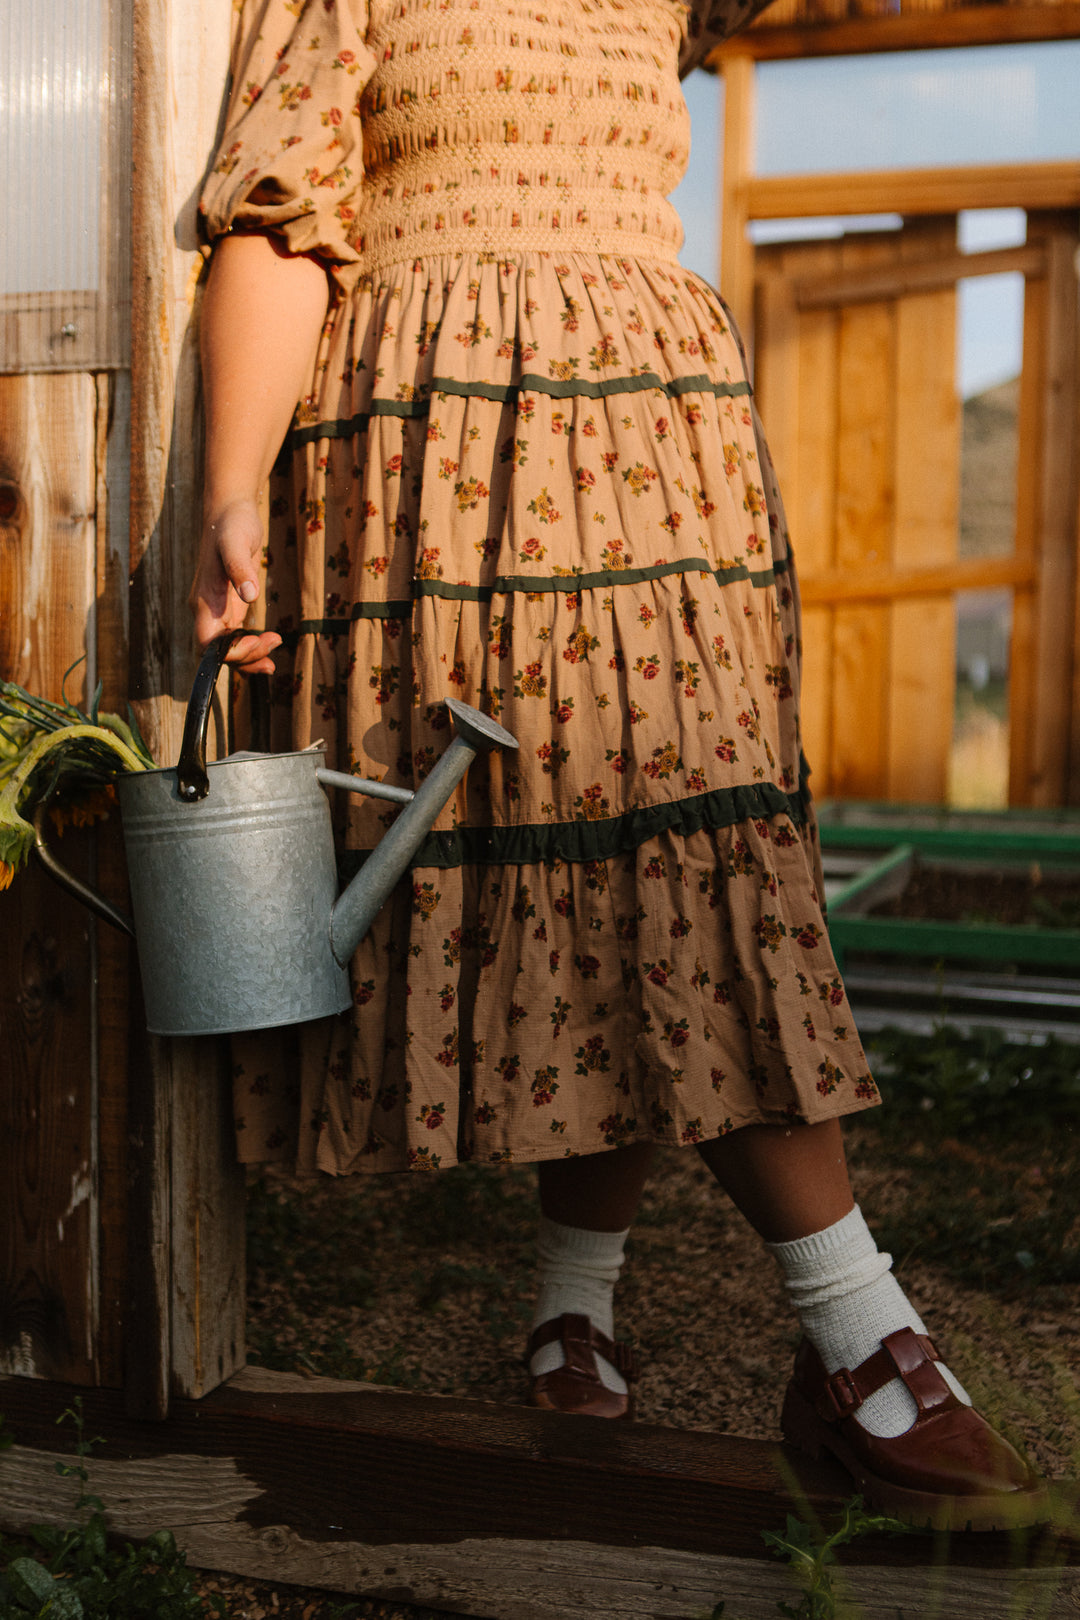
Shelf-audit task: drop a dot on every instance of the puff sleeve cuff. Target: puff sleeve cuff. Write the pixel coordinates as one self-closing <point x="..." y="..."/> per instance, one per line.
<point x="291" y="158"/>
<point x="709" y="23"/>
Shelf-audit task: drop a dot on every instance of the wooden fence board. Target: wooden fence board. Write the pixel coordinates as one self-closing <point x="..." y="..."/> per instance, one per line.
<point x="926" y="457"/>
<point x="1049" y="721"/>
<point x="865" y="501"/>
<point x="114" y="953"/>
<point x="180" y="1257"/>
<point x="48" y="1183"/>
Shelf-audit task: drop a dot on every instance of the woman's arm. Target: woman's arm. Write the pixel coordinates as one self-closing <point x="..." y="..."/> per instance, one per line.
<point x="261" y="317"/>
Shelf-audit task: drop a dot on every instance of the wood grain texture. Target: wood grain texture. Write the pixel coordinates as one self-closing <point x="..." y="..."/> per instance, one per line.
<point x="921" y="28"/>
<point x="926" y="274"/>
<point x="926" y="458"/>
<point x="493" y="1511"/>
<point x="207" y="1220"/>
<point x="1054" y="651"/>
<point x="48" y="1184"/>
<point x="47" y="548"/>
<point x="737" y="163"/>
<point x="886" y="584"/>
<point x="202" y="1501"/>
<point x="186" y="1256"/>
<point x="915" y="191"/>
<point x="864" y="518"/>
<point x="113" y="949"/>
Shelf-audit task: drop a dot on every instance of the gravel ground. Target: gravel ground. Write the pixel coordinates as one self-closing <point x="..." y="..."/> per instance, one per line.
<point x="700" y="1298"/>
<point x="425" y="1283"/>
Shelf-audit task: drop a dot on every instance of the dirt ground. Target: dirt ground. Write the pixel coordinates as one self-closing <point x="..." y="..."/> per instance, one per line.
<point x="431" y="1291"/>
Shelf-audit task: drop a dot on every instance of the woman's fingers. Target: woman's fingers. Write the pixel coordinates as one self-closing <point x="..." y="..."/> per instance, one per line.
<point x="226" y="583"/>
<point x="250" y="655"/>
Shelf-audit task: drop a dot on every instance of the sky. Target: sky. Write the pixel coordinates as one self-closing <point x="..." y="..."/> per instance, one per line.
<point x="1006" y="104"/>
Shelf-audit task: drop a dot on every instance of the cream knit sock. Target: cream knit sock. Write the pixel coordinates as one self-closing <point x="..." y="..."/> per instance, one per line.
<point x="847" y="1299"/>
<point x="577" y="1271"/>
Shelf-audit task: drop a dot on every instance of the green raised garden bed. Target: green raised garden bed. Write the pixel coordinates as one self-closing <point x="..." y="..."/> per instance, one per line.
<point x="1001" y="887"/>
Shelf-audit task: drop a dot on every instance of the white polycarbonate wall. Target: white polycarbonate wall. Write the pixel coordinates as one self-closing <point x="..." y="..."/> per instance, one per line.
<point x="63" y="264"/>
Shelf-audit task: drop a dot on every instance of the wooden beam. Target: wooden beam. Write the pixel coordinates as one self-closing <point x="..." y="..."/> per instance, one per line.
<point x="48" y="1078"/>
<point x="496" y="1511"/>
<point x="914" y="191"/>
<point x="916" y="30"/>
<point x="737" y="165"/>
<point x="884" y="584"/>
<point x="1054" y="649"/>
<point x="922" y="276"/>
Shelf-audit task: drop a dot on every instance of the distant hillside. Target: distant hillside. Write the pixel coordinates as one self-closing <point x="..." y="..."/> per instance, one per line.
<point x="988" y="482"/>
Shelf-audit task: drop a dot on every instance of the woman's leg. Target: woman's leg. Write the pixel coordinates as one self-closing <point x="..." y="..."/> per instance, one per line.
<point x="587" y="1206"/>
<point x="896" y="1417"/>
<point x="788" y="1180"/>
<point x="791" y="1183"/>
<point x="599" y="1191"/>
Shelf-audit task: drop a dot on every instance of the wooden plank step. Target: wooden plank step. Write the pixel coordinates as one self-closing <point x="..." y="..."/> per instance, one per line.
<point x="490" y="1510"/>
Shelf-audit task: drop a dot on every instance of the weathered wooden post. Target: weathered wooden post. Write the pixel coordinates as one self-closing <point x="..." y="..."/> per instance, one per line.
<point x="186" y="1299"/>
<point x="100" y="401"/>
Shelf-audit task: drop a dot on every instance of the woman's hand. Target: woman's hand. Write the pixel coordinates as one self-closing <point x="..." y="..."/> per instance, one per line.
<point x="226" y="583"/>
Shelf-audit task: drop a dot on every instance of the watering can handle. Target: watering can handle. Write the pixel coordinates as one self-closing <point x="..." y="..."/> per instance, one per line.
<point x="90" y="898"/>
<point x="192" y="782"/>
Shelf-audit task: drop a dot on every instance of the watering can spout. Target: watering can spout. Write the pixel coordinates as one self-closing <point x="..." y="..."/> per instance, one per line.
<point x="356" y="907"/>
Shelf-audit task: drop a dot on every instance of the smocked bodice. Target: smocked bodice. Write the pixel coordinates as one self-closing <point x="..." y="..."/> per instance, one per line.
<point x="491" y="126"/>
<point x="372" y="133"/>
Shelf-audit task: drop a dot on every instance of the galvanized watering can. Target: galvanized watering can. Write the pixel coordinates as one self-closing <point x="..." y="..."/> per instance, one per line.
<point x="233" y="876"/>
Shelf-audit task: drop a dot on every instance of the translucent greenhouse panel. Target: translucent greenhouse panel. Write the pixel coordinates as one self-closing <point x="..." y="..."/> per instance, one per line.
<point x="63" y="255"/>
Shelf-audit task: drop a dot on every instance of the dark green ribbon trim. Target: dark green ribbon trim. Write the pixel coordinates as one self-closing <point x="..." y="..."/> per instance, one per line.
<point x="509" y="393"/>
<point x="598" y="840"/>
<point x="509" y="584"/>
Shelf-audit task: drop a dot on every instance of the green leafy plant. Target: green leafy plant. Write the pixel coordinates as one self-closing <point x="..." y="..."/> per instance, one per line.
<point x="977" y="1081"/>
<point x="810" y="1553"/>
<point x="53" y="752"/>
<point x="78" y="1575"/>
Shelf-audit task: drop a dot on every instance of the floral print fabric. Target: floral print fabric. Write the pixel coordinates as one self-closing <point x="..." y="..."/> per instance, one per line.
<point x="530" y="477"/>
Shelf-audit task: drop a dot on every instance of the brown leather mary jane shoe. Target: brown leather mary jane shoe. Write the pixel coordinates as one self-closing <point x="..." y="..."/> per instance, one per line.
<point x="576" y="1386"/>
<point x="950" y="1470"/>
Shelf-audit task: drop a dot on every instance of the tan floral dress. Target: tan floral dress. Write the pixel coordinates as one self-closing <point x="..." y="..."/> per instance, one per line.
<point x="527" y="474"/>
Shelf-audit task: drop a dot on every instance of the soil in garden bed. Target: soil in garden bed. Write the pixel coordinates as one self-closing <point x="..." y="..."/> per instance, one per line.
<point x="1039" y="897"/>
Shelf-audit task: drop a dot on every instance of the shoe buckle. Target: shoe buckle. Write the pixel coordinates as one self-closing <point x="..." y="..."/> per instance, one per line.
<point x="626" y="1361"/>
<point x="841" y="1396"/>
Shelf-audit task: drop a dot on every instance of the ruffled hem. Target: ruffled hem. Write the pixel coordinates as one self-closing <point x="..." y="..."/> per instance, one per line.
<point x="523" y="1013"/>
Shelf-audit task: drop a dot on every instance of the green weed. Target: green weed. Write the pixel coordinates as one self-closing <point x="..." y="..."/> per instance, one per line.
<point x="977" y="1082"/>
<point x="811" y="1557"/>
<point x="80" y="1576"/>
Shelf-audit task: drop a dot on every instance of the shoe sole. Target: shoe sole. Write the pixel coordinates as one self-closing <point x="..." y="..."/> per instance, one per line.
<point x="924" y="1510"/>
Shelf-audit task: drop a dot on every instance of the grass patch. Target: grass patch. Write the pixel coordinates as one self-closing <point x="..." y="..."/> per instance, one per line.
<point x="982" y="1140"/>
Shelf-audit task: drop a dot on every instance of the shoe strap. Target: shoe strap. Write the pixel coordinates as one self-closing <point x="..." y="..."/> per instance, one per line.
<point x="904" y="1354"/>
<point x="579" y="1340"/>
